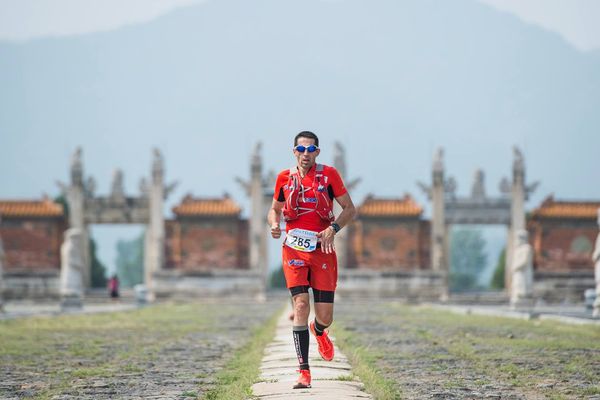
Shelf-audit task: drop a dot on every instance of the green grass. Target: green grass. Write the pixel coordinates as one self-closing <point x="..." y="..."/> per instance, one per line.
<point x="364" y="361"/>
<point x="235" y="380"/>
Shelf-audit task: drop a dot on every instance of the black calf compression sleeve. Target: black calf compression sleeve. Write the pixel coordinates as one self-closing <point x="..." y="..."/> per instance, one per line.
<point x="301" y="344"/>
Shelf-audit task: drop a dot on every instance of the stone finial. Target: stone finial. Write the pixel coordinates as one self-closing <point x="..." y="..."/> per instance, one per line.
<point x="143" y="187"/>
<point x="519" y="161"/>
<point x="478" y="188"/>
<point x="256" y="160"/>
<point x="504" y="186"/>
<point x="117" y="191"/>
<point x="157" y="165"/>
<point x="77" y="168"/>
<point x="438" y="160"/>
<point x="450" y="187"/>
<point x="90" y="187"/>
<point x="339" y="158"/>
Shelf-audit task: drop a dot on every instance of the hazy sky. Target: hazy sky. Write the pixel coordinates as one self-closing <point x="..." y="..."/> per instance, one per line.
<point x="575" y="20"/>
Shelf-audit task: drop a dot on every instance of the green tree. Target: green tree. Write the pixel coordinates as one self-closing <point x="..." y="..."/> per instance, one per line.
<point x="498" y="278"/>
<point x="130" y="261"/>
<point x="467" y="258"/>
<point x="98" y="269"/>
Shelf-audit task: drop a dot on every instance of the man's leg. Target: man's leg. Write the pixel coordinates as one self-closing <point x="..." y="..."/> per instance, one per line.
<point x="301" y="303"/>
<point x="323" y="319"/>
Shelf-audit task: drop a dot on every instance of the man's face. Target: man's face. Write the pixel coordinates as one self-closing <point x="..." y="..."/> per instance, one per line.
<point x="306" y="159"/>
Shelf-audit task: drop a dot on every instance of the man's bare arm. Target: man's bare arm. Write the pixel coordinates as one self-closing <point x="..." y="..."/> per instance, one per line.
<point x="347" y="214"/>
<point x="274" y="217"/>
<point x="348" y="210"/>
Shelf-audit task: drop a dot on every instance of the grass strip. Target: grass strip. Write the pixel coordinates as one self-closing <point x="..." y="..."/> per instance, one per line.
<point x="235" y="380"/>
<point x="364" y="365"/>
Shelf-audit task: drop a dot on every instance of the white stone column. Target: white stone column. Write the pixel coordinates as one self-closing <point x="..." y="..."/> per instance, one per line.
<point x="521" y="270"/>
<point x="1" y="274"/>
<point x="517" y="212"/>
<point x="596" y="259"/>
<point x="76" y="202"/>
<point x="155" y="232"/>
<point x="71" y="270"/>
<point x="341" y="238"/>
<point x="257" y="216"/>
<point x="438" y="217"/>
<point x="439" y="230"/>
<point x="260" y="191"/>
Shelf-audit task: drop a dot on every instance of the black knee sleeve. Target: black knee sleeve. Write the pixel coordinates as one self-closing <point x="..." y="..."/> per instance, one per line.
<point x="323" y="296"/>
<point x="294" y="290"/>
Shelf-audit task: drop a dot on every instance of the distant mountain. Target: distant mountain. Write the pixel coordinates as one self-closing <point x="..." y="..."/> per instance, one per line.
<point x="390" y="79"/>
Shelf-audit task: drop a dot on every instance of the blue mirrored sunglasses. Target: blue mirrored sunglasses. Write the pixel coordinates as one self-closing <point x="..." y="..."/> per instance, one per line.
<point x="301" y="149"/>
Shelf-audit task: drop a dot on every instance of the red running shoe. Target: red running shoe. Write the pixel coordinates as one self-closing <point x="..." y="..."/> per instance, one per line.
<point x="325" y="344"/>
<point x="303" y="379"/>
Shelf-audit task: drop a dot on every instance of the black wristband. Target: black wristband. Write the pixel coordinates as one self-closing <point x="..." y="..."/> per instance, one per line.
<point x="336" y="227"/>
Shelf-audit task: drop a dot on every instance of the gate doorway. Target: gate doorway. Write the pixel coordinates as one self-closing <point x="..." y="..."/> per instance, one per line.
<point x="476" y="258"/>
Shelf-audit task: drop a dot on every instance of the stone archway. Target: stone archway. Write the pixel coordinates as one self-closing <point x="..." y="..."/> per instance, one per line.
<point x="448" y="209"/>
<point x="86" y="208"/>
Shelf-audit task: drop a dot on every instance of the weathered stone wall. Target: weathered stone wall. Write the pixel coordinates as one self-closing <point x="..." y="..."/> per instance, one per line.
<point x="563" y="245"/>
<point x="397" y="243"/>
<point x="32" y="256"/>
<point x="32" y="244"/>
<point x="199" y="244"/>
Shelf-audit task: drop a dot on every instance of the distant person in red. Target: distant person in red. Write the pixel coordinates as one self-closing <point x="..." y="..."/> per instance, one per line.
<point x="113" y="286"/>
<point x="304" y="194"/>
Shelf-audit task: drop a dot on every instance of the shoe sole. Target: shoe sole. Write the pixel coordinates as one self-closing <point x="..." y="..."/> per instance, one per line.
<point x="298" y="386"/>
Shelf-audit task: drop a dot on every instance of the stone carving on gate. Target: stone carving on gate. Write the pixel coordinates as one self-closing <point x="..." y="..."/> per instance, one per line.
<point x="85" y="208"/>
<point x="479" y="208"/>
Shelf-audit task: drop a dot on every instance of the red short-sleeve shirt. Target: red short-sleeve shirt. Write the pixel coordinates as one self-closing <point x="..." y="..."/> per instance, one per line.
<point x="311" y="221"/>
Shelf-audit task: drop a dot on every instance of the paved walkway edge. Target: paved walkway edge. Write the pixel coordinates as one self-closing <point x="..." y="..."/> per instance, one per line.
<point x="330" y="380"/>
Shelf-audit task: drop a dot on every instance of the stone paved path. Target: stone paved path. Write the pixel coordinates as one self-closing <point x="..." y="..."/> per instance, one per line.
<point x="330" y="380"/>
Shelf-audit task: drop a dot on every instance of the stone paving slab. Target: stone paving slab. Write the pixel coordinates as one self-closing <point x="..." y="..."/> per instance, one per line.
<point x="330" y="380"/>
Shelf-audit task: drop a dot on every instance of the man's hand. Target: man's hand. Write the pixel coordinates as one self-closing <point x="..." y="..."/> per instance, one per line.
<point x="275" y="231"/>
<point x="326" y="237"/>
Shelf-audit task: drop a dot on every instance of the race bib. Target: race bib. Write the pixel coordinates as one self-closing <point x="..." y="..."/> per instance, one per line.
<point x="301" y="239"/>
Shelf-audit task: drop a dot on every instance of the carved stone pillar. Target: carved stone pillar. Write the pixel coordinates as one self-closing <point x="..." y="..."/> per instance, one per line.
<point x="521" y="271"/>
<point x="438" y="218"/>
<point x="71" y="270"/>
<point x="596" y="259"/>
<point x="1" y="274"/>
<point x="341" y="238"/>
<point x="517" y="212"/>
<point x="439" y="240"/>
<point x="76" y="201"/>
<point x="155" y="233"/>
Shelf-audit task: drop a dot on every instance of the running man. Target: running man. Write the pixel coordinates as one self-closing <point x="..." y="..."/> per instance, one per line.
<point x="304" y="194"/>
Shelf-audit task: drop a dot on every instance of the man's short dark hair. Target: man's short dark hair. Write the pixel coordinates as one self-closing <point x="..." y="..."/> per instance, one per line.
<point x="306" y="134"/>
